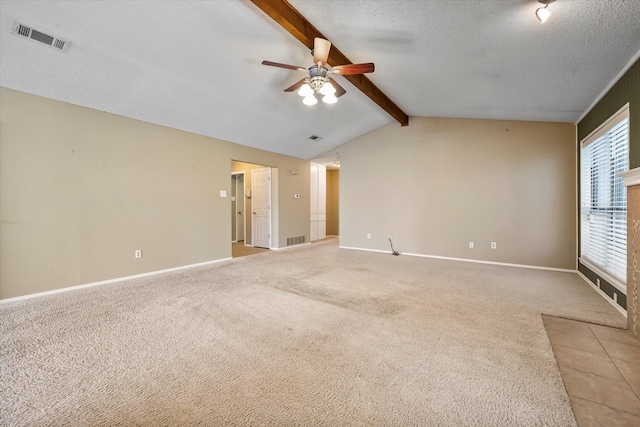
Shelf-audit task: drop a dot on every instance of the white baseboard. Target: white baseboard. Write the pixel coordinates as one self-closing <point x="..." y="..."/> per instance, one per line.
<point x="364" y="249"/>
<point x="504" y="264"/>
<point x="290" y="247"/>
<point x="602" y="294"/>
<point x="105" y="282"/>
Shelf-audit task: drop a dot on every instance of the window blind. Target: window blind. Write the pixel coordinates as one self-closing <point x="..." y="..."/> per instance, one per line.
<point x="603" y="213"/>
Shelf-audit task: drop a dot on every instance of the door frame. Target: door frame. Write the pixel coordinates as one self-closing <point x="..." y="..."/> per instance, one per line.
<point x="244" y="207"/>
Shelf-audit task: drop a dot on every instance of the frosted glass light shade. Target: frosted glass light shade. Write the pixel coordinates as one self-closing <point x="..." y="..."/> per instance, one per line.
<point x="327" y="89"/>
<point x="310" y="100"/>
<point x="305" y="90"/>
<point x="329" y="99"/>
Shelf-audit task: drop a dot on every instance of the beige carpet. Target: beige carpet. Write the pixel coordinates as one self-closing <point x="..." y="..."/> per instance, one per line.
<point x="309" y="336"/>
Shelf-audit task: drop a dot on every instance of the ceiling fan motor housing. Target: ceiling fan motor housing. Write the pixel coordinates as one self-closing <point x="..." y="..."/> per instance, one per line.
<point x="317" y="77"/>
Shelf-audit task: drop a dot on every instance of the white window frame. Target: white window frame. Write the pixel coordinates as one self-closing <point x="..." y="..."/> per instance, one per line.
<point x="617" y="276"/>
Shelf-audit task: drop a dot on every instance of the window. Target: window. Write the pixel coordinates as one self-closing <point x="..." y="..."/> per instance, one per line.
<point x="603" y="215"/>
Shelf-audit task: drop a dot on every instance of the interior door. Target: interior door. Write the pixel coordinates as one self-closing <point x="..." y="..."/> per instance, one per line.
<point x="261" y="207"/>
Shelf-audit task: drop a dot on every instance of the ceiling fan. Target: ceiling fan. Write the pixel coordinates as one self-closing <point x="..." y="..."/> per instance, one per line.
<point x="318" y="79"/>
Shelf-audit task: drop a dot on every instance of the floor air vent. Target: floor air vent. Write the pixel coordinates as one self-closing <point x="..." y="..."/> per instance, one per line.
<point x="291" y="241"/>
<point x="40" y="37"/>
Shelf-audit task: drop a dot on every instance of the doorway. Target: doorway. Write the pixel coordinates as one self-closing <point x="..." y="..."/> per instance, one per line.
<point x="333" y="201"/>
<point x="242" y="193"/>
<point x="261" y="207"/>
<point x="237" y="207"/>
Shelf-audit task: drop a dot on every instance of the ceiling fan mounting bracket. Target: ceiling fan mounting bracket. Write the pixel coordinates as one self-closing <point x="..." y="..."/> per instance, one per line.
<point x="317" y="77"/>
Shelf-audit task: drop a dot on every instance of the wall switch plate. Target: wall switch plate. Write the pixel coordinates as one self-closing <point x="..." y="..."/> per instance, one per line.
<point x="470" y="245"/>
<point x="368" y="235"/>
<point x="223" y="193"/>
<point x="138" y="253"/>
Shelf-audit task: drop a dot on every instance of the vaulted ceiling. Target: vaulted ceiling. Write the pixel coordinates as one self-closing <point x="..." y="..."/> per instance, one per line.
<point x="196" y="65"/>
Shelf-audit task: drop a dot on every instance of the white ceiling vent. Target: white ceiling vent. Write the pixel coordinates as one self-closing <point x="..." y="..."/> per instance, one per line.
<point x="35" y="35"/>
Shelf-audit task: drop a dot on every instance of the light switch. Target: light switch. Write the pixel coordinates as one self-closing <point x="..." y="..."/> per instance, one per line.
<point x="223" y="193"/>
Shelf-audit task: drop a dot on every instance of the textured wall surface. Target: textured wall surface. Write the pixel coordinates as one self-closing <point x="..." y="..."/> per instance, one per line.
<point x="439" y="184"/>
<point x="626" y="90"/>
<point x="81" y="190"/>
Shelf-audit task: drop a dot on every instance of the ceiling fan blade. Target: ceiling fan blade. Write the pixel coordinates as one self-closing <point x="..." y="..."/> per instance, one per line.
<point x="339" y="89"/>
<point x="348" y="69"/>
<point x="321" y="50"/>
<point x="288" y="67"/>
<point x="295" y="86"/>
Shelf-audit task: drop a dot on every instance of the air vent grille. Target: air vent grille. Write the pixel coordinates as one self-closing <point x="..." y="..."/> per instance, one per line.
<point x="23" y="31"/>
<point x="292" y="241"/>
<point x="40" y="37"/>
<point x="59" y="44"/>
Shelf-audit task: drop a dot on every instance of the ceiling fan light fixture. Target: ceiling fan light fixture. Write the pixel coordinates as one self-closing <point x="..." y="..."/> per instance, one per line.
<point x="543" y="13"/>
<point x="329" y="99"/>
<point x="310" y="100"/>
<point x="327" y="89"/>
<point x="305" y="90"/>
<point x="318" y="80"/>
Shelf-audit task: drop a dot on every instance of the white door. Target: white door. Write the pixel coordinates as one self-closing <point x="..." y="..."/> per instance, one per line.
<point x="261" y="207"/>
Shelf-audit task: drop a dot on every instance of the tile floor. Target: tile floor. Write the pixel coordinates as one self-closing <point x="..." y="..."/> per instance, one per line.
<point x="600" y="367"/>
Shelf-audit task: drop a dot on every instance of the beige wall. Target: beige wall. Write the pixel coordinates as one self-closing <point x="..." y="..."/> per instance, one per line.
<point x="81" y="189"/>
<point x="469" y="180"/>
<point x="333" y="202"/>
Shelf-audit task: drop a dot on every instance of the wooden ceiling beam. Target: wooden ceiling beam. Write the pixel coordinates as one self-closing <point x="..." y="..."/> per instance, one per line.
<point x="296" y="24"/>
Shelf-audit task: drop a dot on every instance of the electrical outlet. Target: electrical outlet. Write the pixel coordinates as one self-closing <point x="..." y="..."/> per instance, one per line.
<point x="138" y="253"/>
<point x="368" y="235"/>
<point x="470" y="245"/>
<point x="493" y="245"/>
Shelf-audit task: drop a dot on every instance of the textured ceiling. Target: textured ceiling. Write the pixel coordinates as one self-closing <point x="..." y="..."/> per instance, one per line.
<point x="195" y="65"/>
